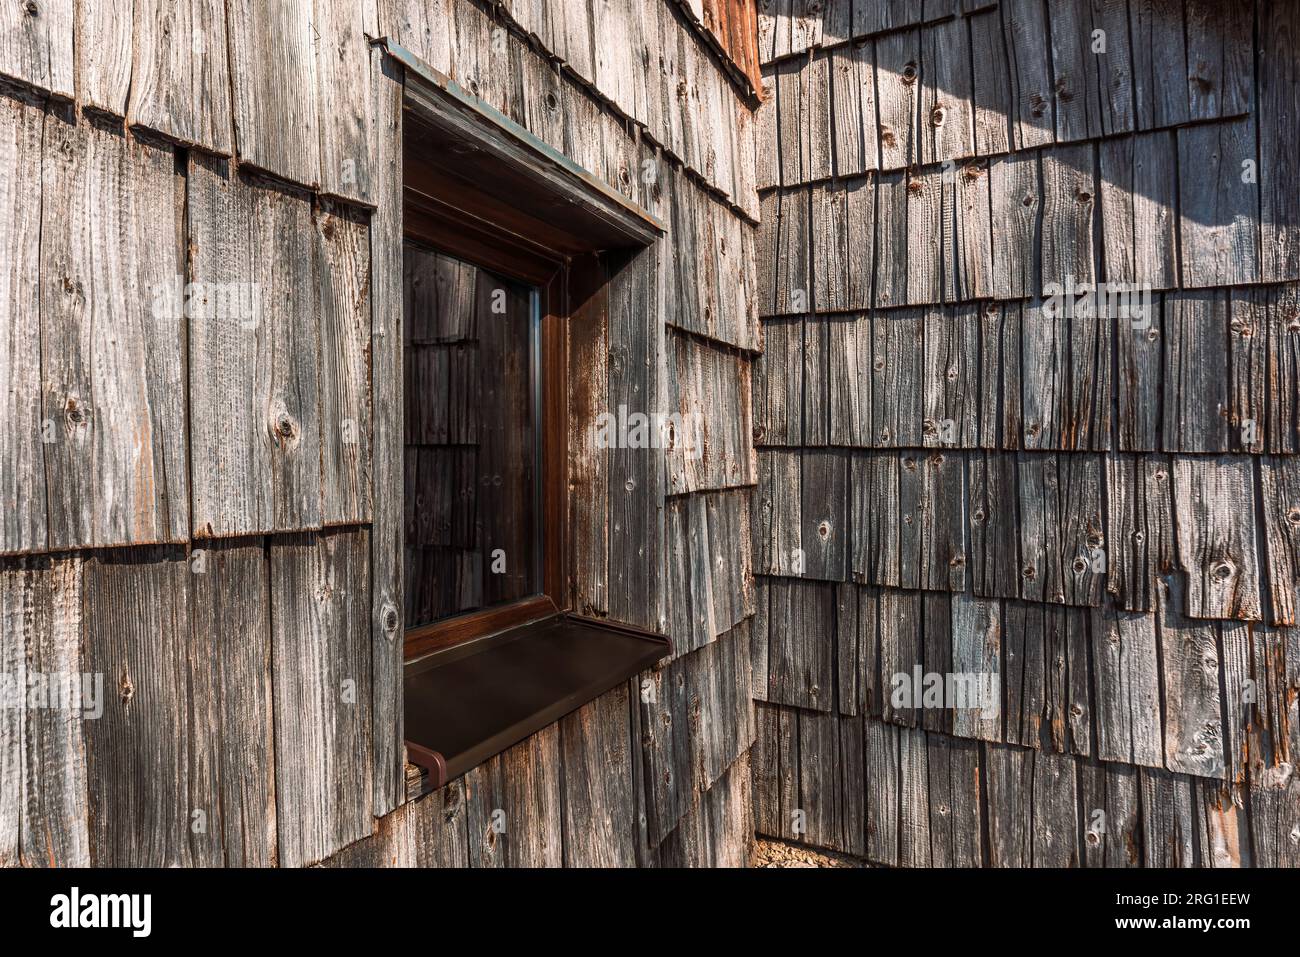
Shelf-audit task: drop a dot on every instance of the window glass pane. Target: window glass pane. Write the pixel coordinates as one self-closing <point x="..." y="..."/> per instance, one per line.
<point x="472" y="495"/>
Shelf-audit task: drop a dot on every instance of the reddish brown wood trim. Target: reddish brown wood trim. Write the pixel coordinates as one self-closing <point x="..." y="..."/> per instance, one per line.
<point x="449" y="632"/>
<point x="555" y="440"/>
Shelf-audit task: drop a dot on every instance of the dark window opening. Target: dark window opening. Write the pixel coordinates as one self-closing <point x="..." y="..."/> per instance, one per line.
<point x="472" y="442"/>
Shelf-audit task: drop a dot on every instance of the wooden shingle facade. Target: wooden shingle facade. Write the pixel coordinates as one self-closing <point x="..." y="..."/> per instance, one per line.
<point x="1095" y="506"/>
<point x="209" y="514"/>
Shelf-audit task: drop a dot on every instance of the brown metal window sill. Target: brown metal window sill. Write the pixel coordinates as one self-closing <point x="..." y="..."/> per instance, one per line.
<point x="471" y="702"/>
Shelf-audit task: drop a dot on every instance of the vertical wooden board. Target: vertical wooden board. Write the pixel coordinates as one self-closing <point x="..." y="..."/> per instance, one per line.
<point x="387" y="497"/>
<point x="778" y="523"/>
<point x="514" y="806"/>
<point x="1140" y="379"/>
<point x="775" y="770"/>
<point x="1088" y="411"/>
<point x="950" y="398"/>
<point x="874" y="517"/>
<point x="1168" y="829"/>
<point x="424" y="27"/>
<point x="151" y="759"/>
<point x="1140" y="525"/>
<point x="968" y="257"/>
<point x="1279" y="162"/>
<point x="321" y="663"/>
<point x="570" y="27"/>
<point x="588" y="465"/>
<point x="1274" y="817"/>
<point x="815" y="120"/>
<point x="947" y="96"/>
<point x="1061" y="528"/>
<point x="1196" y="378"/>
<point x="1024" y="25"/>
<point x="1026" y="681"/>
<point x="830" y="248"/>
<point x="824" y="535"/>
<point x="670" y="777"/>
<point x="778" y="384"/>
<point x="1126" y="688"/>
<point x="932" y="506"/>
<point x="1214" y="508"/>
<point x="44" y="810"/>
<point x="344" y="100"/>
<point x="853" y="108"/>
<point x="545" y="99"/>
<point x="897" y="365"/>
<point x="977" y="650"/>
<point x="1280" y="480"/>
<point x="36" y="45"/>
<point x="898" y="71"/>
<point x="767" y="144"/>
<point x="791" y="89"/>
<point x="848" y="380"/>
<point x="616" y="23"/>
<point x="891" y="240"/>
<point x="1072" y="709"/>
<point x="597" y="783"/>
<point x="713" y="563"/>
<point x="822" y="781"/>
<point x="860" y="232"/>
<point x="991" y="86"/>
<point x="103" y="47"/>
<point x="1111" y="819"/>
<point x="180" y="80"/>
<point x="484" y="60"/>
<point x="1193" y="716"/>
<point x="793" y="266"/>
<point x="1224" y="836"/>
<point x="913" y="799"/>
<point x="800" y="645"/>
<point x="345" y="285"/>
<point x="636" y="484"/>
<point x="1016" y="222"/>
<point x="230" y="682"/>
<point x="925" y="237"/>
<point x="1218" y="200"/>
<point x="816" y="392"/>
<point x="1069" y="199"/>
<point x="1092" y="67"/>
<point x="274" y="78"/>
<point x="254" y="402"/>
<point x="954" y="777"/>
<point x="881" y="776"/>
<point x="1055" y="816"/>
<point x="23" y="525"/>
<point x="1010" y="778"/>
<point x="1160" y="87"/>
<point x="994" y="533"/>
<point x="1138" y="209"/>
<point x="1247" y="412"/>
<point x="112" y="315"/>
<point x="1219" y="46"/>
<point x="999" y="375"/>
<point x="1282" y="331"/>
<point x="901" y="651"/>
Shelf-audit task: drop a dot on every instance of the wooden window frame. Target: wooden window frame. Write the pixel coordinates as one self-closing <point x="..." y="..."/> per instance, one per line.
<point x="442" y="227"/>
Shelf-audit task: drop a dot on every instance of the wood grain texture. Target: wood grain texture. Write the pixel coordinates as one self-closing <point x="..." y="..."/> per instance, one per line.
<point x="36" y="45"/>
<point x="181" y="78"/>
<point x="321" y="661"/>
<point x="513" y="803"/>
<point x="255" y="427"/>
<point x="22" y="451"/>
<point x="1214" y="506"/>
<point x="1218" y="195"/>
<point x="272" y="52"/>
<point x="111" y="338"/>
<point x="104" y="47"/>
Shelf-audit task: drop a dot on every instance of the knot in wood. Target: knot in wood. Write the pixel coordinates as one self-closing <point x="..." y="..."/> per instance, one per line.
<point x="1293" y="516"/>
<point x="1080" y="565"/>
<point x="909" y="73"/>
<point x="1083" y="196"/>
<point x="1222" y="571"/>
<point x="978" y="516"/>
<point x="285" y="425"/>
<point x="552" y="101"/>
<point x="824" y="530"/>
<point x="1029" y="200"/>
<point x="1028" y="573"/>
<point x="937" y="116"/>
<point x="32" y="8"/>
<point x="75" y="412"/>
<point x="390" y="619"/>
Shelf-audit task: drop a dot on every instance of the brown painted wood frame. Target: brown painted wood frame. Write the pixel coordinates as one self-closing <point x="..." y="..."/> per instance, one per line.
<point x="447" y="229"/>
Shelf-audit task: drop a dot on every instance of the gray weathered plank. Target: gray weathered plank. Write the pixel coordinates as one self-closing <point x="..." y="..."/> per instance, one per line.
<point x="1016" y="223"/>
<point x="1069" y="202"/>
<point x="1279" y="161"/>
<point x="103" y="47"/>
<point x="274" y="77"/>
<point x="254" y="403"/>
<point x="1218" y="199"/>
<point x="1139" y="209"/>
<point x="23" y="517"/>
<point x="898" y="71"/>
<point x="1092" y="69"/>
<point x="800" y="661"/>
<point x="344" y="100"/>
<point x="946" y="102"/>
<point x="321" y="662"/>
<point x="180" y="83"/>
<point x="112" y="320"/>
<point x="1160" y="84"/>
<point x="1189" y="659"/>
<point x="1024" y="24"/>
<point x="36" y="45"/>
<point x="597" y="783"/>
<point x="513" y="806"/>
<point x="1126" y="687"/>
<point x="1214" y="508"/>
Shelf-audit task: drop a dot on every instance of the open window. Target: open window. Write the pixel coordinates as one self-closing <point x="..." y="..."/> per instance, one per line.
<point x="505" y="243"/>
